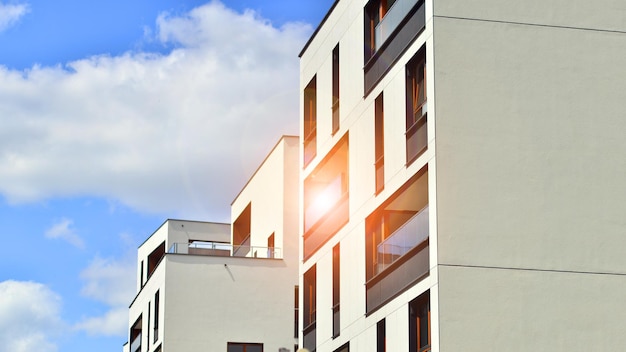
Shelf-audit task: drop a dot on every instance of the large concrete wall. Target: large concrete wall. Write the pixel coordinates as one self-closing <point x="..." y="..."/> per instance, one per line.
<point x="210" y="301"/>
<point x="530" y="174"/>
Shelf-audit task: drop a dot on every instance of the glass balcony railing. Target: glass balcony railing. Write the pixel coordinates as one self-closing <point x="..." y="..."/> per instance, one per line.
<point x="225" y="250"/>
<point x="392" y="19"/>
<point x="406" y="237"/>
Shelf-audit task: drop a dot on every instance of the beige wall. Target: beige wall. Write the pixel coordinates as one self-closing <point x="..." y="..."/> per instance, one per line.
<point x="530" y="175"/>
<point x="520" y="310"/>
<point x="210" y="301"/>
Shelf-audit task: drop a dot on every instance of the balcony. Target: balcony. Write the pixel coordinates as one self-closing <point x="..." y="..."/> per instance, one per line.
<point x="405" y="238"/>
<point x="220" y="249"/>
<point x="396" y="13"/>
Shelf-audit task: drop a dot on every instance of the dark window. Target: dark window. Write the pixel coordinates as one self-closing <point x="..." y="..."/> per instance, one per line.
<point x="135" y="336"/>
<point x="241" y="233"/>
<point x="155" y="258"/>
<point x="416" y="109"/>
<point x="310" y="306"/>
<point x="419" y="323"/>
<point x="148" y="329"/>
<point x="156" y="315"/>
<point x="270" y="246"/>
<point x="336" y="290"/>
<point x="310" y="121"/>
<point x="397" y="242"/>
<point x="245" y="347"/>
<point x="141" y="278"/>
<point x="381" y="336"/>
<point x="296" y="313"/>
<point x="379" y="143"/>
<point x="326" y="198"/>
<point x="335" y="89"/>
<point x="344" y="348"/>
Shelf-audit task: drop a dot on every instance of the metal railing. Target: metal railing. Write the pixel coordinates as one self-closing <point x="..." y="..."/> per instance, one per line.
<point x="392" y="19"/>
<point x="225" y="250"/>
<point x="407" y="236"/>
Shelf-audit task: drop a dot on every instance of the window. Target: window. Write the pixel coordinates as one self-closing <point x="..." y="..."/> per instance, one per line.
<point x="156" y="315"/>
<point x="336" y="89"/>
<point x="143" y="281"/>
<point x="148" y="329"/>
<point x="416" y="109"/>
<point x="336" y="291"/>
<point x="244" y="347"/>
<point x="344" y="348"/>
<point x="396" y="242"/>
<point x="310" y="121"/>
<point x="419" y="323"/>
<point x="270" y="246"/>
<point x="310" y="306"/>
<point x="326" y="198"/>
<point x="241" y="233"/>
<point x="381" y="337"/>
<point x="379" y="143"/>
<point x="135" y="336"/>
<point x="296" y="311"/>
<point x="155" y="258"/>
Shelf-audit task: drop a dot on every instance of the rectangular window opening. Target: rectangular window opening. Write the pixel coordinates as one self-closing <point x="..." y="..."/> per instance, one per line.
<point x="336" y="291"/>
<point x="381" y="337"/>
<point x="241" y="233"/>
<point x="326" y="198"/>
<point x="310" y="121"/>
<point x="244" y="347"/>
<point x="335" y="100"/>
<point x="396" y="242"/>
<point x="416" y="107"/>
<point x="379" y="144"/>
<point x="419" y="323"/>
<point x="310" y="307"/>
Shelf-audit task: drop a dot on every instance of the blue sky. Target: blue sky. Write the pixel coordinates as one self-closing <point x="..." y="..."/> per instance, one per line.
<point x="116" y="115"/>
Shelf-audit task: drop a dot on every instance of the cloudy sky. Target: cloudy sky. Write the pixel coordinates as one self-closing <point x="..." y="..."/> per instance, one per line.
<point x="114" y="116"/>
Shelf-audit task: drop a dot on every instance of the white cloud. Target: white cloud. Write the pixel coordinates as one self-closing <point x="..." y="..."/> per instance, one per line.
<point x="178" y="133"/>
<point x="11" y="13"/>
<point x="112" y="282"/>
<point x="29" y="317"/>
<point x="64" y="230"/>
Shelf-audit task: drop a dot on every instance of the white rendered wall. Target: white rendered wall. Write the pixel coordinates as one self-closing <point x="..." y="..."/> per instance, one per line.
<point x="530" y="174"/>
<point x="210" y="301"/>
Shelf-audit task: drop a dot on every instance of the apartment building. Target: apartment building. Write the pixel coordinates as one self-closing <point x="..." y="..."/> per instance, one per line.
<point x="462" y="177"/>
<point x="231" y="287"/>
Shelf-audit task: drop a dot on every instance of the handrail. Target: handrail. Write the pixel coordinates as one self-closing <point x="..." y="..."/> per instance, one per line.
<point x="225" y="250"/>
<point x="410" y="234"/>
<point x="392" y="19"/>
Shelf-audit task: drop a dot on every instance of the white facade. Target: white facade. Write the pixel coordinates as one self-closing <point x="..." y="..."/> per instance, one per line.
<point x="213" y="293"/>
<point x="520" y="185"/>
